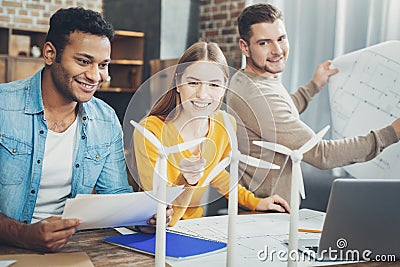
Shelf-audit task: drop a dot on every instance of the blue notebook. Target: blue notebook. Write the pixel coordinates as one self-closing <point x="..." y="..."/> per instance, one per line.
<point x="177" y="246"/>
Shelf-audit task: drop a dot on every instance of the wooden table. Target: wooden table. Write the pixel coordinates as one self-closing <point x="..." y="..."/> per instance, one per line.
<point x="100" y="252"/>
<point x="104" y="254"/>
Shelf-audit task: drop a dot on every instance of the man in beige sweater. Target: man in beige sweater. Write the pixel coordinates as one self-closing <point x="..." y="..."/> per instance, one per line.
<point x="265" y="111"/>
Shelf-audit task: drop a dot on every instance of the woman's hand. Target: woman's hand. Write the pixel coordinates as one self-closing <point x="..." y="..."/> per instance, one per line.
<point x="275" y="203"/>
<point x="151" y="228"/>
<point x="192" y="169"/>
<point x="169" y="212"/>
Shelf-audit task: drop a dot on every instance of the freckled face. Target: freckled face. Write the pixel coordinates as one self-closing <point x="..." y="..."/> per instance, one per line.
<point x="83" y="66"/>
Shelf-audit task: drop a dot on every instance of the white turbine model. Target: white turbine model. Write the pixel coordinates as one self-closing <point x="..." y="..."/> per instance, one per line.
<point x="160" y="182"/>
<point x="297" y="186"/>
<point x="234" y="157"/>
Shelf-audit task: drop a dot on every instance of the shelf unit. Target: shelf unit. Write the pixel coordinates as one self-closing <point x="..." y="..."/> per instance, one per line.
<point x="126" y="65"/>
<point x="12" y="39"/>
<point x="3" y="69"/>
<point x="125" y="69"/>
<point x="15" y="60"/>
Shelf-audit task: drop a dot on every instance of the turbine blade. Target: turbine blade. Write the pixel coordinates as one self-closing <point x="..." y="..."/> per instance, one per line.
<point x="258" y="162"/>
<point x="183" y="146"/>
<point x="156" y="177"/>
<point x="231" y="132"/>
<point x="160" y="177"/>
<point x="298" y="178"/>
<point x="302" y="188"/>
<point x="274" y="147"/>
<point x="314" y="140"/>
<point x="216" y="170"/>
<point x="146" y="133"/>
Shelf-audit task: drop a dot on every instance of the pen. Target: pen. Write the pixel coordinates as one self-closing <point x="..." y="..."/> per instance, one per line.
<point x="310" y="231"/>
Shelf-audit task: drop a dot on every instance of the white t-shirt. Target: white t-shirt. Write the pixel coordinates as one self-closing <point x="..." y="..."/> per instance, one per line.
<point x="55" y="184"/>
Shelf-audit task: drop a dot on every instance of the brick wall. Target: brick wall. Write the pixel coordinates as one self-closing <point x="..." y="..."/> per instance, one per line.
<point x="217" y="19"/>
<point x="35" y="14"/>
<point x="218" y="24"/>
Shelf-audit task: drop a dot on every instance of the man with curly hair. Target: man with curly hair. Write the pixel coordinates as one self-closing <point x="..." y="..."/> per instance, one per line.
<point x="56" y="139"/>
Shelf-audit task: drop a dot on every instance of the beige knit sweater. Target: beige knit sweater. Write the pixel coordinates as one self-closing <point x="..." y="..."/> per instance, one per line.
<point x="265" y="111"/>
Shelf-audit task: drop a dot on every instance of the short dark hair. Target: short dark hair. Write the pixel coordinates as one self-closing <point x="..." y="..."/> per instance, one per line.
<point x="66" y="21"/>
<point x="254" y="14"/>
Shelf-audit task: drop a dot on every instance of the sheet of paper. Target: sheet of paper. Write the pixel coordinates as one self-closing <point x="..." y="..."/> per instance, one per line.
<point x="6" y="263"/>
<point x="101" y="211"/>
<point x="124" y="230"/>
<point x="256" y="232"/>
<point x="76" y="259"/>
<point x="365" y="95"/>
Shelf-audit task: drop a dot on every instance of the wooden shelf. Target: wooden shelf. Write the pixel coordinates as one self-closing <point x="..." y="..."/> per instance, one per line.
<point x="125" y="69"/>
<point x="15" y="47"/>
<point x="115" y="90"/>
<point x="127" y="62"/>
<point x="21" y="58"/>
<point x="19" y="68"/>
<point x="3" y="69"/>
<point x="126" y="57"/>
<point x="120" y="33"/>
<point x="16" y="41"/>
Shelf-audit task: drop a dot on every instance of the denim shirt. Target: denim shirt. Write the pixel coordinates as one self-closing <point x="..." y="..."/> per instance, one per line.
<point x="98" y="163"/>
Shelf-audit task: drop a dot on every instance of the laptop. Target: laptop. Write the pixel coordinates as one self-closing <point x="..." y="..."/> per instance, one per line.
<point x="362" y="222"/>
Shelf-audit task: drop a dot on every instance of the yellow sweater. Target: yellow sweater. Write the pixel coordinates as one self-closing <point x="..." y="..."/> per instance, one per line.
<point x="215" y="148"/>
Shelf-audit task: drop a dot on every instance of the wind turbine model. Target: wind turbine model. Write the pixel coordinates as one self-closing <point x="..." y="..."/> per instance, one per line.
<point x="297" y="186"/>
<point x="160" y="182"/>
<point x="234" y="157"/>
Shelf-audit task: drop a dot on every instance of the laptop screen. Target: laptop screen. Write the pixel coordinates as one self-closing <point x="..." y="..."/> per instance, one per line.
<point x="362" y="220"/>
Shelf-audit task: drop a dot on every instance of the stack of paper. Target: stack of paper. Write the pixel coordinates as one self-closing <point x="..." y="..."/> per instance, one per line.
<point x="101" y="211"/>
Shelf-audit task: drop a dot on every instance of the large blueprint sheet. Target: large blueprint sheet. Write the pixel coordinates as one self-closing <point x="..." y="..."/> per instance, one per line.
<point x="255" y="232"/>
<point x="365" y="95"/>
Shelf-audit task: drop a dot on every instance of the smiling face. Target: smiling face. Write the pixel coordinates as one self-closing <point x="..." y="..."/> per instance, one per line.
<point x="268" y="48"/>
<point x="82" y="68"/>
<point x="201" y="89"/>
